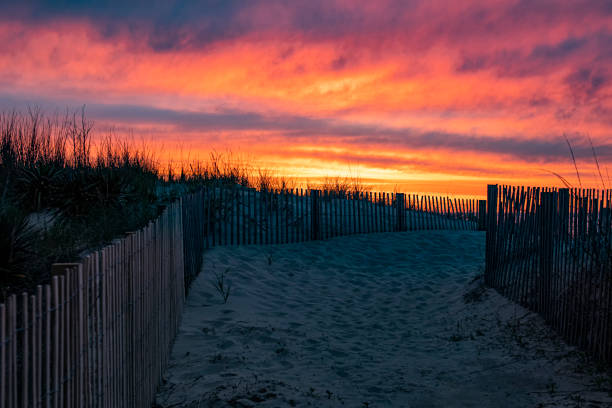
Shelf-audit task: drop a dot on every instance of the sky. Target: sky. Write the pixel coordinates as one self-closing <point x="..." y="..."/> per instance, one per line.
<point x="421" y="96"/>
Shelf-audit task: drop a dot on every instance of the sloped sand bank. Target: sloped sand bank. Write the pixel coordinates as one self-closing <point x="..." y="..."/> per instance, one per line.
<point x="379" y="320"/>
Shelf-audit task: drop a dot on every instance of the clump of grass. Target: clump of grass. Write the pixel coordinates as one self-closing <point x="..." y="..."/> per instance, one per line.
<point x="222" y="286"/>
<point x="220" y="169"/>
<point x="90" y="189"/>
<point x="343" y="186"/>
<point x="565" y="181"/>
<point x="266" y="180"/>
<point x="90" y="192"/>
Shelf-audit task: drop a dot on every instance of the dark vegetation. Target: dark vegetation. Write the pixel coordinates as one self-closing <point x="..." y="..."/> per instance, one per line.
<point x="567" y="184"/>
<point x="65" y="191"/>
<point x="61" y="198"/>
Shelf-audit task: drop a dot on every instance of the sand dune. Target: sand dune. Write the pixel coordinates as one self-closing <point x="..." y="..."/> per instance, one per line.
<point x="378" y="320"/>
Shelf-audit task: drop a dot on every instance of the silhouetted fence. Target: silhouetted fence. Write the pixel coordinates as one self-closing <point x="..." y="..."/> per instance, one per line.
<point x="239" y="216"/>
<point x="551" y="251"/>
<point x="99" y="335"/>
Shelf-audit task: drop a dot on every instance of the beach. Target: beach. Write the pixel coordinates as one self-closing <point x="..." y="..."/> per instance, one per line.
<point x="376" y="320"/>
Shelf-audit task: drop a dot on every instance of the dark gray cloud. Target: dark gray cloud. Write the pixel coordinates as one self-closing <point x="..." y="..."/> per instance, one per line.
<point x="528" y="12"/>
<point x="539" y="101"/>
<point x="586" y="83"/>
<point x="164" y="25"/>
<point x="206" y="121"/>
<point x="339" y="63"/>
<point x="172" y="24"/>
<point x="300" y="128"/>
<point x="541" y="60"/>
<point x="561" y="50"/>
<point x="473" y="63"/>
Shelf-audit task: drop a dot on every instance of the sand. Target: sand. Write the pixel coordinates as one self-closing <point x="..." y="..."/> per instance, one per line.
<point x="377" y="320"/>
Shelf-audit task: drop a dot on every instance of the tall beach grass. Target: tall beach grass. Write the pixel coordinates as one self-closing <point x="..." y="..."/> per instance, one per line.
<point x="65" y="190"/>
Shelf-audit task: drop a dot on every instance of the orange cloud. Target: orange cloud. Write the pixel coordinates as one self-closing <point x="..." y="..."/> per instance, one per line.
<point x="401" y="92"/>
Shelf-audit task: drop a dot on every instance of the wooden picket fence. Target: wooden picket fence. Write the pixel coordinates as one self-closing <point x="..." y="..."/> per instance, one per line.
<point x="235" y="215"/>
<point x="99" y="335"/>
<point x="551" y="251"/>
<point x="242" y="216"/>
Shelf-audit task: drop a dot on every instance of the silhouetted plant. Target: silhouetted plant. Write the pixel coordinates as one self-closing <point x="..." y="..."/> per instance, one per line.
<point x="76" y="194"/>
<point x="34" y="186"/>
<point x="222" y="287"/>
<point x="16" y="247"/>
<point x="113" y="190"/>
<point x="96" y="188"/>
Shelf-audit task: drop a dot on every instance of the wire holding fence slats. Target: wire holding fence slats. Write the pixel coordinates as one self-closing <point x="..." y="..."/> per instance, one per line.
<point x="551" y="251"/>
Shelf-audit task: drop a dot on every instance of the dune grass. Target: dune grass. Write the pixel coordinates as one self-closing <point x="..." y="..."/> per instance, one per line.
<point x="596" y="162"/>
<point x="61" y="195"/>
<point x="66" y="190"/>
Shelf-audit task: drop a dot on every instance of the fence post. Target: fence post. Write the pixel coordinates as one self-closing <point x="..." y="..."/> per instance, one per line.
<point x="400" y="208"/>
<point x="491" y="237"/>
<point x="547" y="217"/>
<point x="316" y="214"/>
<point x="482" y="215"/>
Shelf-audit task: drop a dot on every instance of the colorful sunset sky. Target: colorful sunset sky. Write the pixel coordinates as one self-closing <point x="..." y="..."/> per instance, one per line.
<point x="424" y="96"/>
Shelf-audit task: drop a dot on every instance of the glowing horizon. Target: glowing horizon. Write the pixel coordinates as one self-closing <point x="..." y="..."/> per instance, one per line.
<point x="435" y="96"/>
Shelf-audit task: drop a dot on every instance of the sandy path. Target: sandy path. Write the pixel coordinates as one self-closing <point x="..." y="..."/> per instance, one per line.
<point x="365" y="321"/>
